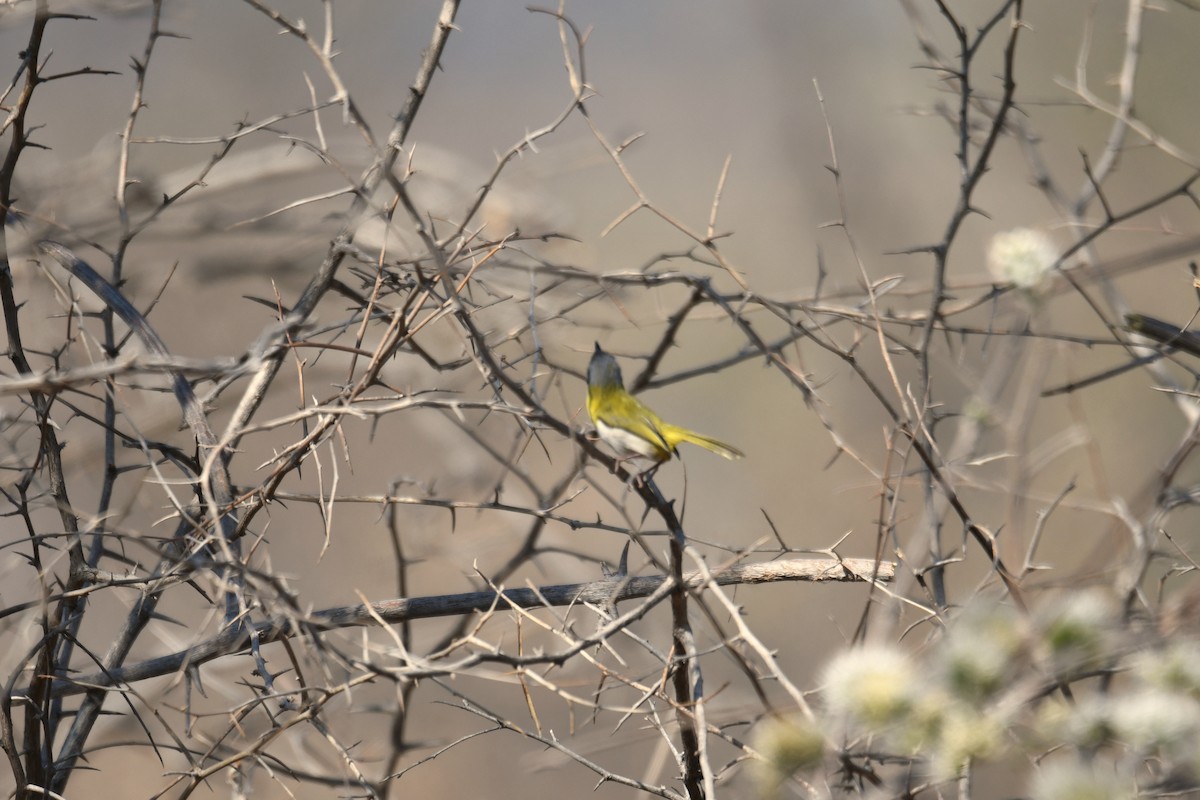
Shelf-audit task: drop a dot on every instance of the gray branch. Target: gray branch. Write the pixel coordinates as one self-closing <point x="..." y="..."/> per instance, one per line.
<point x="603" y="593"/>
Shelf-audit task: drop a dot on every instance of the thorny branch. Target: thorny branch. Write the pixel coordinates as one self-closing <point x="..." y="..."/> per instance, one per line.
<point x="434" y="349"/>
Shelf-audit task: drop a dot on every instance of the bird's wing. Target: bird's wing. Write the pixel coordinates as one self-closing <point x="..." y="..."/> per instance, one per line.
<point x="633" y="415"/>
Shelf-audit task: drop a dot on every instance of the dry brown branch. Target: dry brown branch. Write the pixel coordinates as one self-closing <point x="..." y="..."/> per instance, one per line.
<point x="371" y="301"/>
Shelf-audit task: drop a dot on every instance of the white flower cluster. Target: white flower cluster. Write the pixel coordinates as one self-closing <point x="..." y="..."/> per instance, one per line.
<point x="988" y="689"/>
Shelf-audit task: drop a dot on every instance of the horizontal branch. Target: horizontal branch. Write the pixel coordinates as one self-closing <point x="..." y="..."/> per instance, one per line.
<point x="602" y="592"/>
<point x="126" y="364"/>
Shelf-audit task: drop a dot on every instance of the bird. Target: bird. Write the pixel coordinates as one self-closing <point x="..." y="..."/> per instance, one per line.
<point x="628" y="426"/>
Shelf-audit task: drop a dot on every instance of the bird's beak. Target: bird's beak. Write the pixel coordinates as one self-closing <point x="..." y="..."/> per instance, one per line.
<point x="598" y="350"/>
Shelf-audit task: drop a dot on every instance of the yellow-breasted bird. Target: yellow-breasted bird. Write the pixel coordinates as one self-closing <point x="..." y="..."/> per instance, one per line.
<point x="625" y="423"/>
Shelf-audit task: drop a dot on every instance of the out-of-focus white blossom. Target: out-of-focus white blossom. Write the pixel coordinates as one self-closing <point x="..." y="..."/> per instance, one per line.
<point x="1175" y="668"/>
<point x="1086" y="723"/>
<point x="979" y="650"/>
<point x="1022" y="257"/>
<point x="1075" y="780"/>
<point x="787" y="746"/>
<point x="875" y="684"/>
<point x="1153" y="718"/>
<point x="966" y="734"/>
<point x="1078" y="630"/>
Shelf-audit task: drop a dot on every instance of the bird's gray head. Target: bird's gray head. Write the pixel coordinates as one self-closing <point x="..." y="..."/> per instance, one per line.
<point x="603" y="369"/>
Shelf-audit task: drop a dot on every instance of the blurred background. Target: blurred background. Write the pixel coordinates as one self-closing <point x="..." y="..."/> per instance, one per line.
<point x="703" y="82"/>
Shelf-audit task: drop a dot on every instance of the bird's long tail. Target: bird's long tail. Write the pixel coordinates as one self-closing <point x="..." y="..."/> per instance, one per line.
<point x="674" y="434"/>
